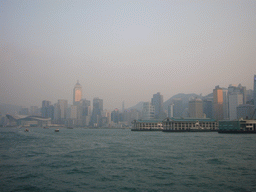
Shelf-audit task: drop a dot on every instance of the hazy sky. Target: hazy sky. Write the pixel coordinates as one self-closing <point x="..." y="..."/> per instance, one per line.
<point x="123" y="50"/>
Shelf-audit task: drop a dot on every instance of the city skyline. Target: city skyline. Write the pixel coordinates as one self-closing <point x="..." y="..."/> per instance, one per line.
<point x="123" y="51"/>
<point x="79" y="87"/>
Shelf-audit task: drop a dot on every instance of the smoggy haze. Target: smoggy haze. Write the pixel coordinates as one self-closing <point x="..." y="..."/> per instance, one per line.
<point x="123" y="50"/>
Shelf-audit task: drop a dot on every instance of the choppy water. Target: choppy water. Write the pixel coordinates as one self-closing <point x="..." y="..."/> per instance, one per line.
<point x="122" y="160"/>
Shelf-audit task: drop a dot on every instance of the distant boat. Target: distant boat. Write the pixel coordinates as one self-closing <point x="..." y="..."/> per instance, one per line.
<point x="69" y="127"/>
<point x="57" y="130"/>
<point x="26" y="130"/>
<point x="46" y="127"/>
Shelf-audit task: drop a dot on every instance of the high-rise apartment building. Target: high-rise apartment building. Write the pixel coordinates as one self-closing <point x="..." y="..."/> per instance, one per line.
<point x="218" y="103"/>
<point x="46" y="103"/>
<point x="195" y="108"/>
<point x="177" y="107"/>
<point x="243" y="92"/>
<point x="148" y="111"/>
<point x="107" y="115"/>
<point x="73" y="112"/>
<point x="135" y="115"/>
<point x="157" y="102"/>
<point x="126" y="116"/>
<point x="207" y="108"/>
<point x="84" y="112"/>
<point x="225" y="104"/>
<point x="249" y="96"/>
<point x="170" y="110"/>
<point x="46" y="109"/>
<point x="238" y="89"/>
<point x="235" y="99"/>
<point x="97" y="112"/>
<point x="77" y="94"/>
<point x="85" y="108"/>
<point x="62" y="108"/>
<point x="115" y="116"/>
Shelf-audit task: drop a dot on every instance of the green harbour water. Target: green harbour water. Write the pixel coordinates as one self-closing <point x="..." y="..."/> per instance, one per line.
<point x="122" y="160"/>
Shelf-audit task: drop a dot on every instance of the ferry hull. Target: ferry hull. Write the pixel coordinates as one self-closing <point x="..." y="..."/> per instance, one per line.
<point x="235" y="131"/>
<point x="190" y="130"/>
<point x="146" y="130"/>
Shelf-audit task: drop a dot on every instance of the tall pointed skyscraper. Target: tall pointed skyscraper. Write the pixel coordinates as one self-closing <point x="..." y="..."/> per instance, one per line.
<point x="77" y="94"/>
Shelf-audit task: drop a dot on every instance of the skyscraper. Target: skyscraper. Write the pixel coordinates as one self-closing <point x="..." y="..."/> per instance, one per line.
<point x="244" y="92"/>
<point x="73" y="112"/>
<point x="77" y="94"/>
<point x="235" y="99"/>
<point x="115" y="116"/>
<point x="207" y="108"/>
<point x="85" y="112"/>
<point x="177" y="107"/>
<point x="238" y="89"/>
<point x="62" y="107"/>
<point x="170" y="110"/>
<point x="218" y="103"/>
<point x="157" y="102"/>
<point x="225" y="104"/>
<point x="45" y="108"/>
<point x="195" y="108"/>
<point x="85" y="107"/>
<point x="148" y="111"/>
<point x="97" y="112"/>
<point x="249" y="96"/>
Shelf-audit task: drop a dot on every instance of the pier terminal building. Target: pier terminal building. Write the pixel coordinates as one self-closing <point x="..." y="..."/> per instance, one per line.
<point x="189" y="124"/>
<point x="176" y="125"/>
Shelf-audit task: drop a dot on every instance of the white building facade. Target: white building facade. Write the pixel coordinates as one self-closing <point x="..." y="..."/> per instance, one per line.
<point x="235" y="99"/>
<point x="148" y="111"/>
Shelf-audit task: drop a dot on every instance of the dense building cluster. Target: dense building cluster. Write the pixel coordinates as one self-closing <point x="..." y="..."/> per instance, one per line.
<point x="232" y="103"/>
<point x="82" y="114"/>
